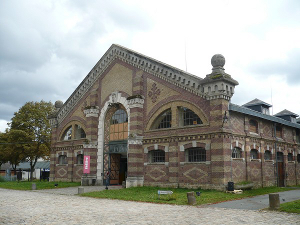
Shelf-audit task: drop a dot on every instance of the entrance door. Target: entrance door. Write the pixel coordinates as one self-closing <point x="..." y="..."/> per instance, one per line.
<point x="123" y="170"/>
<point x="280" y="169"/>
<point x="115" y="168"/>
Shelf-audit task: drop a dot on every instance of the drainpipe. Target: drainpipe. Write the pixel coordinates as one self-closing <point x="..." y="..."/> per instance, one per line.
<point x="276" y="165"/>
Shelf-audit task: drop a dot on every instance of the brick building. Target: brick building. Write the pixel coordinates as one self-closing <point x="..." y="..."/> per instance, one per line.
<point x="148" y="123"/>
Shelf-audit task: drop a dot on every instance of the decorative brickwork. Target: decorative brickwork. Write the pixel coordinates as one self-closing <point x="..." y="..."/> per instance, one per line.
<point x="193" y="155"/>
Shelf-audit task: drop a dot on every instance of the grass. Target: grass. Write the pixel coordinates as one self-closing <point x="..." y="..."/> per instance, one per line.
<point x="179" y="196"/>
<point x="27" y="185"/>
<point x="290" y="207"/>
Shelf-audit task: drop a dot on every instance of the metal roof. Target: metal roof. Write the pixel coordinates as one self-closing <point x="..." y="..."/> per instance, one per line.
<point x="247" y="111"/>
<point x="38" y="165"/>
<point x="286" y="113"/>
<point x="257" y="102"/>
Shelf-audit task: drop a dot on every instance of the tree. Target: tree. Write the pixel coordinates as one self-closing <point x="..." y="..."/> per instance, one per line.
<point x="32" y="118"/>
<point x="14" y="144"/>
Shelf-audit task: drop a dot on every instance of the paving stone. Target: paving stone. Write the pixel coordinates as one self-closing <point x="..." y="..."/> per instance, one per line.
<point x="41" y="207"/>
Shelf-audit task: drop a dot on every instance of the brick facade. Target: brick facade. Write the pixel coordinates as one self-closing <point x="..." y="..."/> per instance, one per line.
<point x="144" y="89"/>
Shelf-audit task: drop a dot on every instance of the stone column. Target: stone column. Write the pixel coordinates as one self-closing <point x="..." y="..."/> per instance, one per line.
<point x="135" y="160"/>
<point x="90" y="147"/>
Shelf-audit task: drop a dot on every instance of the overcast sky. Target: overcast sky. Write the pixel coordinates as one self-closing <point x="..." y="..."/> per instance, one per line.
<point x="48" y="47"/>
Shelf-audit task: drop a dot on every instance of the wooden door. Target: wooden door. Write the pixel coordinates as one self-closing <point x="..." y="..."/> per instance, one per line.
<point x="280" y="174"/>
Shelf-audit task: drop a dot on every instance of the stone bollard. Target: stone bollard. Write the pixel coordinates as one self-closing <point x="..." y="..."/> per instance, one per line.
<point x="274" y="202"/>
<point x="191" y="198"/>
<point x="80" y="190"/>
<point x="33" y="186"/>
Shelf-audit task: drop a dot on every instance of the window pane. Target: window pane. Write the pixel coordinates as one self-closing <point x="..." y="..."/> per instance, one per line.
<point x="236" y="153"/>
<point x="118" y="126"/>
<point x="196" y="155"/>
<point x="253" y="154"/>
<point x="268" y="155"/>
<point x="80" y="159"/>
<point x="67" y="134"/>
<point x="190" y="118"/>
<point x="290" y="157"/>
<point x="158" y="156"/>
<point x="164" y="120"/>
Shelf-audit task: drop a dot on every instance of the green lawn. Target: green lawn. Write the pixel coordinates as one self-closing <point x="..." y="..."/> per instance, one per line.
<point x="179" y="196"/>
<point x="27" y="185"/>
<point x="290" y="207"/>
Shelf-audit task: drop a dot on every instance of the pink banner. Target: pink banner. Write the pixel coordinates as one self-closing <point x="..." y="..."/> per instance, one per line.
<point x="86" y="164"/>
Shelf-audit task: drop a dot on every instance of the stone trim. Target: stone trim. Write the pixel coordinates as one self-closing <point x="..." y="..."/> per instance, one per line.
<point x="92" y="112"/>
<point x="168" y="73"/>
<point x="115" y="97"/>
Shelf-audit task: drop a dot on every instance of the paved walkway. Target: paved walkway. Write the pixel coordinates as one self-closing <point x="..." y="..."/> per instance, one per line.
<point x="39" y="207"/>
<point x="258" y="202"/>
<point x="74" y="190"/>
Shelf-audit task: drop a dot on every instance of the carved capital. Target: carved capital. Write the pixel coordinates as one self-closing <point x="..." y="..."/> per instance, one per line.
<point x="136" y="103"/>
<point x="93" y="144"/>
<point x="91" y="112"/>
<point x="133" y="139"/>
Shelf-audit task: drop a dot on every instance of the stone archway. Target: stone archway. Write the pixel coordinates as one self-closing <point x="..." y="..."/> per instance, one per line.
<point x="114" y="98"/>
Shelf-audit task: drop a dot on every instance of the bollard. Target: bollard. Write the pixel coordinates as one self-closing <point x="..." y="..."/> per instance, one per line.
<point x="274" y="202"/>
<point x="191" y="198"/>
<point x="80" y="190"/>
<point x="33" y="186"/>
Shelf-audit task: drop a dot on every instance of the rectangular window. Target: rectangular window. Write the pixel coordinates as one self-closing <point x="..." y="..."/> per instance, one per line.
<point x="158" y="156"/>
<point x="196" y="155"/>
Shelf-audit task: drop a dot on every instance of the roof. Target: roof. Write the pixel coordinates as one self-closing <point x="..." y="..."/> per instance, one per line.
<point x="164" y="71"/>
<point x="257" y="102"/>
<point x="247" y="111"/>
<point x="286" y="113"/>
<point x="26" y="165"/>
<point x="38" y="165"/>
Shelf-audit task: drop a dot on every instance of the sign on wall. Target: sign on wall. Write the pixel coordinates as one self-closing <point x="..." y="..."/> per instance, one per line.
<point x="86" y="164"/>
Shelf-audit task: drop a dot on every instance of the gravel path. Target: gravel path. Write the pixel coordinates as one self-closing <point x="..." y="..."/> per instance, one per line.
<point x="39" y="207"/>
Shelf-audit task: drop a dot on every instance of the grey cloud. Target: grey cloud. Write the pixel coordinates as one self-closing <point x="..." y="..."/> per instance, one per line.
<point x="290" y="68"/>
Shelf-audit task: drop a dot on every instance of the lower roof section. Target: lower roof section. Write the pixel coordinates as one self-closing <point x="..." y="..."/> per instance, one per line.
<point x="247" y="111"/>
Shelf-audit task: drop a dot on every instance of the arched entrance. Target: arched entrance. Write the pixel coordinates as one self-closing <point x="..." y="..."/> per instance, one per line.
<point x="115" y="144"/>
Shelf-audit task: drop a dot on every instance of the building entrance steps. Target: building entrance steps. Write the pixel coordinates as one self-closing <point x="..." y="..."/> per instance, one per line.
<point x="258" y="202"/>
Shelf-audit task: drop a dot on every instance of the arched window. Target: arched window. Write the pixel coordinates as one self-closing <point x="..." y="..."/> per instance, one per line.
<point x="80" y="159"/>
<point x="62" y="159"/>
<point x="79" y="132"/>
<point x="253" y="154"/>
<point x="188" y="117"/>
<point x="236" y="153"/>
<point x="268" y="155"/>
<point x="118" y="126"/>
<point x="157" y="156"/>
<point x="67" y="134"/>
<point x="164" y="120"/>
<point x="195" y="155"/>
<point x="253" y="126"/>
<point x="290" y="157"/>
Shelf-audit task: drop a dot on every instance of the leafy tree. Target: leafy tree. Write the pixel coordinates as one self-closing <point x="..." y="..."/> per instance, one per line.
<point x="3" y="155"/>
<point x="32" y="118"/>
<point x="14" y="144"/>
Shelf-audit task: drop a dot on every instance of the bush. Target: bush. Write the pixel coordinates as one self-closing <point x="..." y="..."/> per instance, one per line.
<point x="2" y="179"/>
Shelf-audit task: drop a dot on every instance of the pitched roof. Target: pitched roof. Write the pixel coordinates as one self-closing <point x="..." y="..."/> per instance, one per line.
<point x="164" y="71"/>
<point x="286" y="113"/>
<point x="257" y="102"/>
<point x="247" y="111"/>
